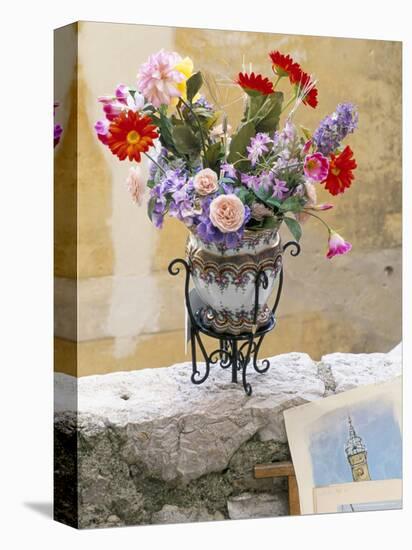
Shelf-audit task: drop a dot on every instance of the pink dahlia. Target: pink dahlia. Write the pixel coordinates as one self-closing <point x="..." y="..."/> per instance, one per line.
<point x="337" y="245"/>
<point x="316" y="167"/>
<point x="158" y="78"/>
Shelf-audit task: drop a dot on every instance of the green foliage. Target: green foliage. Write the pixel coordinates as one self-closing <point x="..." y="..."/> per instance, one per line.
<point x="293" y="227"/>
<point x="245" y="195"/>
<point x="267" y="119"/>
<point x="266" y="197"/>
<point x="166" y="132"/>
<point x="214" y="154"/>
<point x="150" y="184"/>
<point x="150" y="207"/>
<point x="292" y="177"/>
<point x="185" y="140"/>
<point x="238" y="145"/>
<point x="254" y="104"/>
<point x="270" y="222"/>
<point x="292" y="204"/>
<point x="193" y="85"/>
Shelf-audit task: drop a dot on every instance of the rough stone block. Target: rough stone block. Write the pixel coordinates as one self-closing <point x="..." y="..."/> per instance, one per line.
<point x="154" y="448"/>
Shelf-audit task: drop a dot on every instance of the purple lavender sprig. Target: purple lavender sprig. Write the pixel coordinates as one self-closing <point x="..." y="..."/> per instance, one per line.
<point x="335" y="127"/>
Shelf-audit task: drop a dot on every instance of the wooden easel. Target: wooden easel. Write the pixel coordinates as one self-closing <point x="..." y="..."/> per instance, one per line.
<point x="282" y="469"/>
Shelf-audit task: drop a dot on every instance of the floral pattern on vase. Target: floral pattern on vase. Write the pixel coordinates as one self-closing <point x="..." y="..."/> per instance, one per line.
<point x="225" y="280"/>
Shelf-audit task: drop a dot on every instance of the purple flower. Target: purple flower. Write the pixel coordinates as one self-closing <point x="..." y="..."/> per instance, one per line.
<point x="228" y="169"/>
<point x="286" y="135"/>
<point x="249" y="181"/>
<point x="203" y="102"/>
<point x="161" y="160"/>
<point x="280" y="189"/>
<point x="159" y="211"/>
<point x="258" y="146"/>
<point x="335" y="127"/>
<point x="227" y="188"/>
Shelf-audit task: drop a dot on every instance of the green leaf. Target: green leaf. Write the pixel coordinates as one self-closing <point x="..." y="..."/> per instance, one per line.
<point x="185" y="140"/>
<point x="150" y="184"/>
<point x="262" y="194"/>
<point x="255" y="103"/>
<point x="268" y="117"/>
<point x="293" y="227"/>
<point x="166" y="128"/>
<point x="193" y="85"/>
<point x="238" y="145"/>
<point x="267" y="198"/>
<point x="150" y="207"/>
<point x="271" y="222"/>
<point x="273" y="202"/>
<point x="292" y="204"/>
<point x="213" y="154"/>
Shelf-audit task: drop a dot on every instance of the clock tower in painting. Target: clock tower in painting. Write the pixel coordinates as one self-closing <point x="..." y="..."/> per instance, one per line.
<point x="356" y="454"/>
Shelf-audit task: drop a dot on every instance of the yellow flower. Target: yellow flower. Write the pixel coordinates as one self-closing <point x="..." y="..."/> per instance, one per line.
<point x="185" y="66"/>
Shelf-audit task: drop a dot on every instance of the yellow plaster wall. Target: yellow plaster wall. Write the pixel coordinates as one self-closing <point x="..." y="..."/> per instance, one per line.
<point x="129" y="311"/>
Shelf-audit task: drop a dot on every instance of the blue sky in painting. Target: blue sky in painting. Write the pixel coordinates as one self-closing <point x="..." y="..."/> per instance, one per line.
<point x="375" y="423"/>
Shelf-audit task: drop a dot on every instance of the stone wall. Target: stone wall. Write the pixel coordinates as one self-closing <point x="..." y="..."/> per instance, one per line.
<point x="153" y="448"/>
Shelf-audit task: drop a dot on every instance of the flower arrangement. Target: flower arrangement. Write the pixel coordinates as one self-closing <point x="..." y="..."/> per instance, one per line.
<point x="221" y="183"/>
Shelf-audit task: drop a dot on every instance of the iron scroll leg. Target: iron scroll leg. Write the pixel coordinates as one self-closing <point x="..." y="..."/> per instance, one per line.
<point x="230" y="353"/>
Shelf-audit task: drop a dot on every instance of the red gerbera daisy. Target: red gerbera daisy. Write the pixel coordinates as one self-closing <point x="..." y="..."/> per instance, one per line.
<point x="283" y="65"/>
<point x="340" y="174"/>
<point x="255" y="84"/>
<point x="304" y="82"/>
<point x="131" y="134"/>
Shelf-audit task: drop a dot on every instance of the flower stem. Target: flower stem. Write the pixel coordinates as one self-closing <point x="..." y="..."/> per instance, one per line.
<point x="320" y="219"/>
<point x="277" y="81"/>
<point x="156" y="163"/>
<point x="291" y="100"/>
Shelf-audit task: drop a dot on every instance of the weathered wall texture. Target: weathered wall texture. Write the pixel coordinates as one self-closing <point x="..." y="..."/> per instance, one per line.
<point x="153" y="448"/>
<point x="130" y="311"/>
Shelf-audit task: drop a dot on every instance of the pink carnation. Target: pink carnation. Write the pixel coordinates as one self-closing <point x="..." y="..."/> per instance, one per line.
<point x="337" y="245"/>
<point x="205" y="182"/>
<point x="136" y="185"/>
<point x="316" y="167"/>
<point x="227" y="213"/>
<point x="157" y="78"/>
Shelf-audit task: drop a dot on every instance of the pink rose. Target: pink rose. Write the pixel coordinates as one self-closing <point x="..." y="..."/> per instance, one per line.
<point x="205" y="182"/>
<point x="136" y="185"/>
<point x="227" y="213"/>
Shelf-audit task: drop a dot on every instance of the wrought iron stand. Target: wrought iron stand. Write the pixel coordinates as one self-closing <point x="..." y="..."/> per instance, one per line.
<point x="235" y="352"/>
